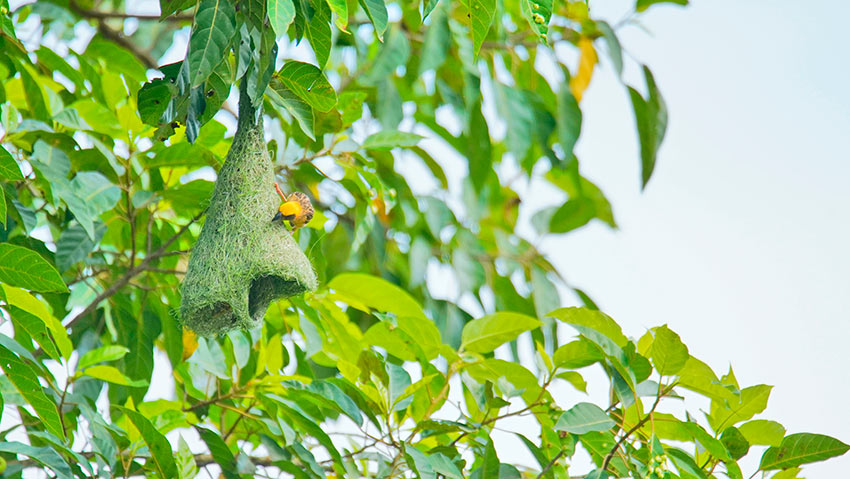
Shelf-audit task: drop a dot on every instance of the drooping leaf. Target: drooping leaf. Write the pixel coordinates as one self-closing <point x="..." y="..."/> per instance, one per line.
<point x="377" y="12"/>
<point x="569" y="120"/>
<point x="215" y="25"/>
<point x="102" y="354"/>
<point x="112" y="375"/>
<point x="9" y="169"/>
<point x="651" y="118"/>
<point x="45" y="456"/>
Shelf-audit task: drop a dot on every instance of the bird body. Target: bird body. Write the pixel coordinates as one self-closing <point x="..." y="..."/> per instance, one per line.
<point x="296" y="208"/>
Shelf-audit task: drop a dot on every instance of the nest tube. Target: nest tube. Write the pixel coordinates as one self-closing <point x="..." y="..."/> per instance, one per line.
<point x="242" y="261"/>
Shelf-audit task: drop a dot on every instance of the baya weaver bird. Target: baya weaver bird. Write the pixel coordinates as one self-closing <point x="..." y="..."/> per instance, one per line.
<point x="296" y="209"/>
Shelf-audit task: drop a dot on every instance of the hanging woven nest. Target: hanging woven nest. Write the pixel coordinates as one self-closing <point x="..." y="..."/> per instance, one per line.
<point x="242" y="261"/>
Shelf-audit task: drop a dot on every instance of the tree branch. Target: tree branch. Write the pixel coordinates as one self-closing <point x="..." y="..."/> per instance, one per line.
<point x="99" y="15"/>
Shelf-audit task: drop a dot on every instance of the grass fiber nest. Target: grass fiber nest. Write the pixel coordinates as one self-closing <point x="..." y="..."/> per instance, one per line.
<point x="242" y="261"/>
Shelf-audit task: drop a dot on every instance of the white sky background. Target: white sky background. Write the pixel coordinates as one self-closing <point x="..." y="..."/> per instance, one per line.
<point x="740" y="241"/>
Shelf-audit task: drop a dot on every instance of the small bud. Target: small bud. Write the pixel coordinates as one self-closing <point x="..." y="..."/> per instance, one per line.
<point x="538" y="18"/>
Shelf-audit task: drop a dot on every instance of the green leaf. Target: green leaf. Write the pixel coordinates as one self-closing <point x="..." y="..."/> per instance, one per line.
<point x="569" y="119"/>
<point x="615" y="51"/>
<point x="761" y="432"/>
<point x="437" y="42"/>
<point x="593" y="319"/>
<point x="752" y="401"/>
<point x="481" y="14"/>
<point x="215" y="25"/>
<point x="113" y="375"/>
<point x="284" y="98"/>
<point x="801" y="448"/>
<point x="685" y="463"/>
<point x="735" y="442"/>
<point x="544" y="292"/>
<point x="340" y="8"/>
<point x="668" y="353"/>
<point x="317" y="29"/>
<point x="377" y="12"/>
<point x="309" y="84"/>
<point x="162" y="457"/>
<point x="642" y="5"/>
<point x="45" y="456"/>
<point x="22" y="299"/>
<point x="373" y="292"/>
<point x="111" y="352"/>
<point x="575" y="379"/>
<point x="651" y="118"/>
<point x="9" y="169"/>
<point x="576" y="354"/>
<point x="25" y="268"/>
<point x="389" y="139"/>
<point x="584" y="417"/>
<point x="35" y="328"/>
<point x="3" y="207"/>
<point x="485" y="334"/>
<point x="698" y="376"/>
<point x="153" y="100"/>
<point x="34" y="95"/>
<point x="26" y="382"/>
<point x="281" y="14"/>
<point x="74" y="245"/>
<point x="490" y="466"/>
<point x="221" y="454"/>
<point x="516" y="111"/>
<point x="538" y="13"/>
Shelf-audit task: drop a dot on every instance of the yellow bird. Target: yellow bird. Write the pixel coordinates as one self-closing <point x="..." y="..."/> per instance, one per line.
<point x="296" y="209"/>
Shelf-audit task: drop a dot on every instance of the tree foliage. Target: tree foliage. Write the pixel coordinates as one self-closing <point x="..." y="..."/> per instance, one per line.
<point x="437" y="334"/>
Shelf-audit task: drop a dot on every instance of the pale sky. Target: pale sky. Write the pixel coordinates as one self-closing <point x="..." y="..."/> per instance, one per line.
<point x="740" y="241"/>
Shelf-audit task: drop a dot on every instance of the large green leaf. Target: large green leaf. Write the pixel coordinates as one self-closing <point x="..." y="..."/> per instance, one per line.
<point x="801" y="448"/>
<point x="221" y="454"/>
<point x="162" y="457"/>
<point x="481" y="14"/>
<point x="25" y="268"/>
<point x="752" y="401"/>
<point x="487" y="333"/>
<point x="309" y="84"/>
<point x="113" y="375"/>
<point x="35" y="328"/>
<point x="24" y="300"/>
<point x="281" y="14"/>
<point x="584" y="417"/>
<point x="301" y="111"/>
<point x="317" y="28"/>
<point x="373" y="292"/>
<point x="26" y="382"/>
<point x="215" y="25"/>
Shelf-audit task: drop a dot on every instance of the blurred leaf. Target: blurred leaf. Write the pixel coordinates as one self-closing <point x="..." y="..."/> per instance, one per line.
<point x="102" y="354"/>
<point x="26" y="269"/>
<point x="45" y="456"/>
<point x="162" y="458"/>
<point x="569" y="120"/>
<point x="615" y="50"/>
<point x="221" y="454"/>
<point x="376" y="293"/>
<point x="587" y="60"/>
<point x="651" y="117"/>
<point x="74" y="245"/>
<point x="317" y="29"/>
<point x="377" y="12"/>
<point x="642" y="5"/>
<point x="596" y="320"/>
<point x="389" y="139"/>
<point x="112" y="375"/>
<point x="538" y="14"/>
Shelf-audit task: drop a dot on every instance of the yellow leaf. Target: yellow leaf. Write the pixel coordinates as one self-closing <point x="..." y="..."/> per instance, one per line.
<point x="588" y="59"/>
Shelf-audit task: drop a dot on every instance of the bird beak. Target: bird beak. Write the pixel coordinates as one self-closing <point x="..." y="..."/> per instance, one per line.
<point x="278" y="216"/>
